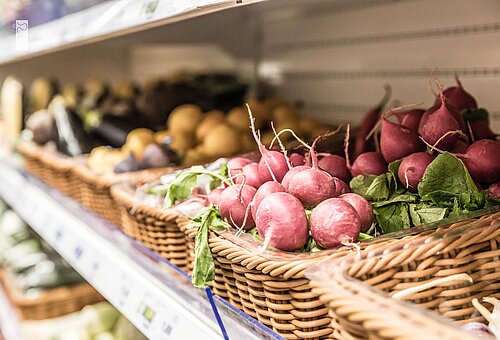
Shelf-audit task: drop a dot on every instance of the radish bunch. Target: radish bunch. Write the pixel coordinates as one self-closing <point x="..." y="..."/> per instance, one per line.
<point x="274" y="193"/>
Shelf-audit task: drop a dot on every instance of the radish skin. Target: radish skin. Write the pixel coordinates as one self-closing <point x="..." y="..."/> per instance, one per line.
<point x="292" y="172"/>
<point x="369" y="163"/>
<point x="398" y="141"/>
<point x="283" y="217"/>
<point x="412" y="169"/>
<point x="334" y="222"/>
<point x="265" y="190"/>
<point x="233" y="204"/>
<point x="362" y="207"/>
<point x="214" y="196"/>
<point x="494" y="190"/>
<point x="250" y="174"/>
<point x="297" y="159"/>
<point x="336" y="166"/>
<point x="483" y="161"/>
<point x="410" y="119"/>
<point x="234" y="165"/>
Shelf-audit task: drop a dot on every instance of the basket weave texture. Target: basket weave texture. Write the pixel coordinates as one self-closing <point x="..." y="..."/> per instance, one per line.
<point x="157" y="229"/>
<point x="51" y="303"/>
<point x="95" y="189"/>
<point x="272" y="286"/>
<point x="52" y="167"/>
<point x="470" y="247"/>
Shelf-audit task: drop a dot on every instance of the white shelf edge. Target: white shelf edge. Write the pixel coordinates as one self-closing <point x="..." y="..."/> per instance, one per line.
<point x="9" y="321"/>
<point x="125" y="274"/>
<point x="105" y="21"/>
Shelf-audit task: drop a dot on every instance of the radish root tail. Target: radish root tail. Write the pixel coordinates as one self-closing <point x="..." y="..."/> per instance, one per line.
<point x="282" y="147"/>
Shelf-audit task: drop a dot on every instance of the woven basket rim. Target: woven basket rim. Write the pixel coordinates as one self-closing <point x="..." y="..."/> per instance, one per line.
<point x="124" y="194"/>
<point x="82" y="170"/>
<point x="293" y="265"/>
<point x="51" y="158"/>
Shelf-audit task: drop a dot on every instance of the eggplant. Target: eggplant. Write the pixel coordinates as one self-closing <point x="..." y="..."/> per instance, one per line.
<point x="72" y="138"/>
<point x="41" y="123"/>
<point x="113" y="130"/>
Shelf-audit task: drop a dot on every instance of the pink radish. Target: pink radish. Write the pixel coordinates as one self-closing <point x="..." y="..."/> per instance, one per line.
<point x="292" y="172"/>
<point x="250" y="174"/>
<point x="483" y="161"/>
<point x="214" y="196"/>
<point x="312" y="185"/>
<point x="457" y="97"/>
<point x="369" y="121"/>
<point x="412" y="169"/>
<point x="362" y="207"/>
<point x="234" y="201"/>
<point x="297" y="159"/>
<point x="334" y="222"/>
<point x="371" y="163"/>
<point x="281" y="220"/>
<point x="341" y="187"/>
<point x="273" y="165"/>
<point x="336" y="166"/>
<point x="265" y="190"/>
<point x="460" y="147"/>
<point x="436" y="123"/>
<point x="410" y="119"/>
<point x="494" y="190"/>
<point x="234" y="165"/>
<point x="398" y="141"/>
<point x="480" y="129"/>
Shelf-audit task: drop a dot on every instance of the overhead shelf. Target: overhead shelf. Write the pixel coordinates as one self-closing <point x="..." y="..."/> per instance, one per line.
<point x="107" y="20"/>
<point x="154" y="295"/>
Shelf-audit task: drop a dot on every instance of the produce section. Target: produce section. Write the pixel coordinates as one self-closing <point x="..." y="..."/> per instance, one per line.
<point x="250" y="169"/>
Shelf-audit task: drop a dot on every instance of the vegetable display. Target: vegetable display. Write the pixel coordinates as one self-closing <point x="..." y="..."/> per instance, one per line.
<point x="307" y="205"/>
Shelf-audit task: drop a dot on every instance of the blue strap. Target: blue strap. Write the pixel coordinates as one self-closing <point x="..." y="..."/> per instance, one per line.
<point x="216" y="313"/>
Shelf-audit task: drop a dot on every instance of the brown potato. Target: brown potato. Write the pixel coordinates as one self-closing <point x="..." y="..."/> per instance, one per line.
<point x="184" y="118"/>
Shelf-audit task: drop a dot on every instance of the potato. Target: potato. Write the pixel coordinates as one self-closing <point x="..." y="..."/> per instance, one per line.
<point x="248" y="143"/>
<point x="222" y="140"/>
<point x="143" y="133"/>
<point x="159" y="136"/>
<point x="260" y="110"/>
<point x="213" y="114"/>
<point x="309" y="125"/>
<point x="208" y="122"/>
<point x="184" y="118"/>
<point x="238" y="117"/>
<point x="285" y="112"/>
<point x="195" y="157"/>
<point x="137" y="140"/>
<point x="288" y="124"/>
<point x="182" y="141"/>
<point x="103" y="160"/>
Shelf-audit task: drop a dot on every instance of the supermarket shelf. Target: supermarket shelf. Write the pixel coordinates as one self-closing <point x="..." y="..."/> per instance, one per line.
<point x="107" y="20"/>
<point x="153" y="294"/>
<point x="9" y="321"/>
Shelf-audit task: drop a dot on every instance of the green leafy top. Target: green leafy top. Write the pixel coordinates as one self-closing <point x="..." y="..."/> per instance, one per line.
<point x="204" y="266"/>
<point x="446" y="189"/>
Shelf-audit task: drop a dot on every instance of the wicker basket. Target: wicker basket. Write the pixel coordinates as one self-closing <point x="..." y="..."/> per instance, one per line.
<point x="51" y="303"/>
<point x="155" y="228"/>
<point x="272" y="286"/>
<point x="96" y="189"/>
<point x="471" y="247"/>
<point x="380" y="316"/>
<point x="51" y="167"/>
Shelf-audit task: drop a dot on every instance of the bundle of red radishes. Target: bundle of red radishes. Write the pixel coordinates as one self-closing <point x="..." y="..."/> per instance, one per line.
<point x="273" y="195"/>
<point x="292" y="198"/>
<point x="454" y="123"/>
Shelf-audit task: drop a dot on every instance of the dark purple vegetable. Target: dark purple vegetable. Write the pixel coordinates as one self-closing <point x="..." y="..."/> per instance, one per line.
<point x="410" y="119"/>
<point x="457" y="97"/>
<point x="412" y="169"/>
<point x="438" y="122"/>
<point x="129" y="164"/>
<point x="398" y="141"/>
<point x="483" y="161"/>
<point x="336" y="166"/>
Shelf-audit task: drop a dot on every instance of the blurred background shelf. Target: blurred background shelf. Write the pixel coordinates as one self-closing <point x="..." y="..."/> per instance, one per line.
<point x="155" y="296"/>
